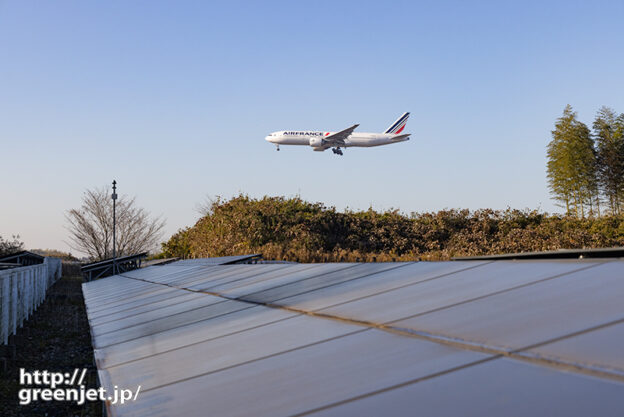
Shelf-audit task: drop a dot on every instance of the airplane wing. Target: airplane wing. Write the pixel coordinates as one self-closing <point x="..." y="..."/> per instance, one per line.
<point x="338" y="138"/>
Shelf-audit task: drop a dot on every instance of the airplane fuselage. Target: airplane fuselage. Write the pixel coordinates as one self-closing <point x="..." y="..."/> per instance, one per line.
<point x="320" y="141"/>
<point x="308" y="138"/>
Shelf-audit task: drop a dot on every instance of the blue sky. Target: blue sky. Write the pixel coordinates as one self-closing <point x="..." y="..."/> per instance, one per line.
<point x="173" y="100"/>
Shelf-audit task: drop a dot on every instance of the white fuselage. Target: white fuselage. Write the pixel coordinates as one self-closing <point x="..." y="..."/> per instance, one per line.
<point x="307" y="138"/>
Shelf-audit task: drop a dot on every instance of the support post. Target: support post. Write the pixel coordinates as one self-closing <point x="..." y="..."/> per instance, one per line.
<point x="114" y="197"/>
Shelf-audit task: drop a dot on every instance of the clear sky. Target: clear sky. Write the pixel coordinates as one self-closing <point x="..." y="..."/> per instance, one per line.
<point x="174" y="99"/>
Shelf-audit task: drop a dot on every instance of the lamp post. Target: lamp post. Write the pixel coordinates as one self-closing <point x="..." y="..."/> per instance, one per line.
<point x="114" y="197"/>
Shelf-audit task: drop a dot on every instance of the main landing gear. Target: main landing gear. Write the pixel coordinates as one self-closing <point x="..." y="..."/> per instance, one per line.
<point x="337" y="151"/>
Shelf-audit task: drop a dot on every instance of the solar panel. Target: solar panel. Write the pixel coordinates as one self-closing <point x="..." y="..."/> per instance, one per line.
<point x="343" y="292"/>
<point x="535" y="313"/>
<point x="227" y="351"/>
<point x="300" y="286"/>
<point x="214" y="307"/>
<point x="250" y="286"/>
<point x="188" y="334"/>
<point x="500" y="387"/>
<point x="305" y="378"/>
<point x="601" y="349"/>
<point x="530" y="337"/>
<point x="451" y="289"/>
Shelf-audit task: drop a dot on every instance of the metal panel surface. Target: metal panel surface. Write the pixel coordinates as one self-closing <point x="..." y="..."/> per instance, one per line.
<point x="533" y="314"/>
<point x="94" y="288"/>
<point x="376" y="284"/>
<point x="268" y="281"/>
<point x="500" y="387"/>
<point x="196" y="273"/>
<point x="198" y="353"/>
<point x="109" y="287"/>
<point x="209" y="273"/>
<point x="292" y="270"/>
<point x="450" y="290"/>
<point x="142" y="304"/>
<point x="216" y="260"/>
<point x="601" y="349"/>
<point x="148" y="316"/>
<point x="151" y="293"/>
<point x="166" y="323"/>
<point x="305" y="285"/>
<point x="157" y="276"/>
<point x="239" y="274"/>
<point x="302" y="379"/>
<point x="118" y="291"/>
<point x="170" y="298"/>
<point x="157" y="271"/>
<point x="225" y="352"/>
<point x="188" y="334"/>
<point x="200" y="273"/>
<point x="116" y="294"/>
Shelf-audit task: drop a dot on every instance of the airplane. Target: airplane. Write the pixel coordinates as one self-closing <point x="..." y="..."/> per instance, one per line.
<point x="320" y="141"/>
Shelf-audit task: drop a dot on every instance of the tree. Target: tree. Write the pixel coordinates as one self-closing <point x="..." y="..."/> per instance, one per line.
<point x="8" y="247"/>
<point x="91" y="226"/>
<point x="178" y="245"/>
<point x="609" y="137"/>
<point x="571" y="167"/>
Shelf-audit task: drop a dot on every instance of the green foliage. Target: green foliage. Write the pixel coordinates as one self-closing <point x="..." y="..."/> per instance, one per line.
<point x="177" y="246"/>
<point x="609" y="135"/>
<point x="296" y="230"/>
<point x="585" y="168"/>
<point x="572" y="167"/>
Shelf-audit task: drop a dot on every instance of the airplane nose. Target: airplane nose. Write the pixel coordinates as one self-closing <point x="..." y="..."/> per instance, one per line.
<point x="268" y="138"/>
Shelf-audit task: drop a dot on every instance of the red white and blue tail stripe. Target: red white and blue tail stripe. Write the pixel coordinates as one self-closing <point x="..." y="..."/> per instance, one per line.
<point x="398" y="126"/>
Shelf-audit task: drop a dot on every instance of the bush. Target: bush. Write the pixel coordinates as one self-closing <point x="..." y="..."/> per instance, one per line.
<point x="8" y="247"/>
<point x="296" y="230"/>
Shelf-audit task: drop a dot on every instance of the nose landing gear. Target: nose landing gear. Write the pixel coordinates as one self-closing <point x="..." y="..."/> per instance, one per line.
<point x="337" y="151"/>
<point x="278" y="148"/>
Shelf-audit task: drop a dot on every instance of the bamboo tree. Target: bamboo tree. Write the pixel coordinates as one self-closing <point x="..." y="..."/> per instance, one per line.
<point x="571" y="167"/>
<point x="609" y="136"/>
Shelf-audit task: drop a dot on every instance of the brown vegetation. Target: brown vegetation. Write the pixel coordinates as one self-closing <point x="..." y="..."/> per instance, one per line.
<point x="55" y="253"/>
<point x="295" y="230"/>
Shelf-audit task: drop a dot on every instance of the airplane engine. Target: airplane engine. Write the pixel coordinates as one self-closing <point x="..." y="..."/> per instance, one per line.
<point x="317" y="142"/>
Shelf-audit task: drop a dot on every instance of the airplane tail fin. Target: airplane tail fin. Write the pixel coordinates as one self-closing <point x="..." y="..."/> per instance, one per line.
<point x="398" y="126"/>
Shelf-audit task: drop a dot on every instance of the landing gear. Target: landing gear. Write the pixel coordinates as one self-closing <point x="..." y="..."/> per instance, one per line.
<point x="278" y="148"/>
<point x="337" y="151"/>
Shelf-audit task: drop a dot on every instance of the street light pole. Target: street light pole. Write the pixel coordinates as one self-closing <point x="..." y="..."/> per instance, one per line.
<point x="114" y="197"/>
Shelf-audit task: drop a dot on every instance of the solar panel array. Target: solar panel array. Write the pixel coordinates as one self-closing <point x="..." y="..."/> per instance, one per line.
<point x="432" y="338"/>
